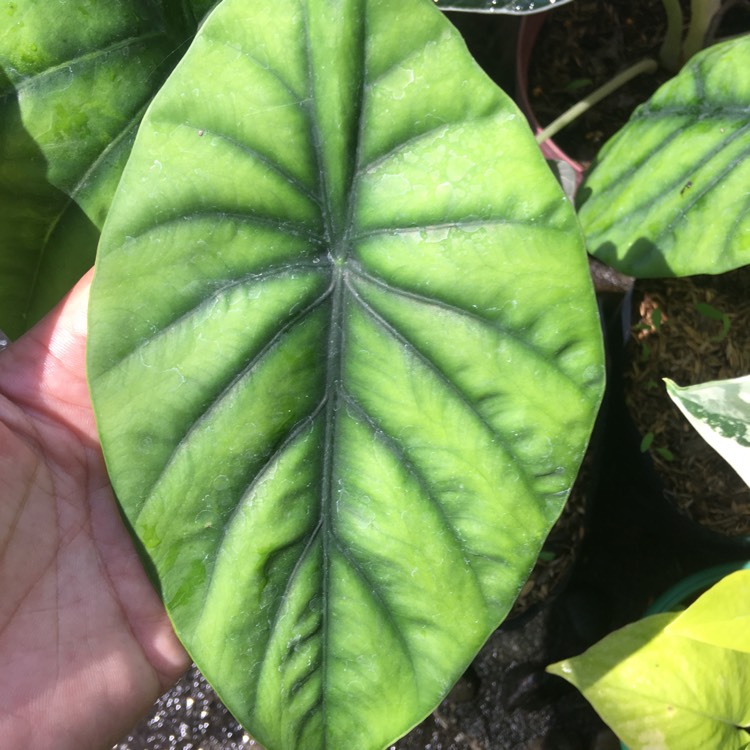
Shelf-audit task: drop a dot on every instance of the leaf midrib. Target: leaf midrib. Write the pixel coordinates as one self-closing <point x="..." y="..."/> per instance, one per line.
<point x="338" y="231"/>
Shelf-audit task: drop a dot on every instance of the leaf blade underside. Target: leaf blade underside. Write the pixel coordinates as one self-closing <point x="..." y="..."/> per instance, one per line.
<point x="317" y="411"/>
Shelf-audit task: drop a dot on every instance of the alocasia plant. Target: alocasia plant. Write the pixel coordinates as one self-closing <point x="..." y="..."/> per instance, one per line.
<point x="74" y="84"/>
<point x="345" y="359"/>
<point x="668" y="196"/>
<point x="344" y="351"/>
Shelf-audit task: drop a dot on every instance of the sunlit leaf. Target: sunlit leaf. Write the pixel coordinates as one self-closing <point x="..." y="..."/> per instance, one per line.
<point x="721" y="616"/>
<point x="662" y="691"/>
<point x="345" y="358"/>
<point x="668" y="196"/>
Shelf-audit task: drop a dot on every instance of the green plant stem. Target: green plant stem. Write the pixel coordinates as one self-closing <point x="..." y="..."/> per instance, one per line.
<point x="702" y="13"/>
<point x="643" y="66"/>
<point x="670" y="54"/>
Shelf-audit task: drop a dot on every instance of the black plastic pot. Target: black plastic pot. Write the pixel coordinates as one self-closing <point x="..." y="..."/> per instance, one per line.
<point x="688" y="531"/>
<point x="570" y="171"/>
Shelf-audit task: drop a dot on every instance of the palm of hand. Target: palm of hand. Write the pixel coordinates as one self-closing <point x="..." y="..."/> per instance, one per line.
<point x="85" y="645"/>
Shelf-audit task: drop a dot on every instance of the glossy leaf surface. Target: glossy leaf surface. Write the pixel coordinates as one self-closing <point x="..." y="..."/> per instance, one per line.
<point x="720" y="616"/>
<point x="668" y="196"/>
<point x="345" y="358"/>
<point x="720" y="411"/>
<point x="75" y="77"/>
<point x="511" y="7"/>
<point x="662" y="691"/>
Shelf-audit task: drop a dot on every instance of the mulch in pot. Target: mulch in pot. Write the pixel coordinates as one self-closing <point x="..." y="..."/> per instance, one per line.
<point x="691" y="330"/>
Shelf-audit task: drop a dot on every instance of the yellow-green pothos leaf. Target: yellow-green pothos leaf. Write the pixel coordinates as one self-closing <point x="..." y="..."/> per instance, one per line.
<point x="75" y="77"/>
<point x="669" y="193"/>
<point x="660" y="691"/>
<point x="345" y="358"/>
<point x="720" y="411"/>
<point x="721" y="616"/>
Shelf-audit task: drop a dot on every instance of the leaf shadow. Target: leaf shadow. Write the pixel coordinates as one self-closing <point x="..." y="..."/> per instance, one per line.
<point x="47" y="242"/>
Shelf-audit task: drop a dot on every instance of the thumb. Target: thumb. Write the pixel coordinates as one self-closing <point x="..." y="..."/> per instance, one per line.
<point x="45" y="370"/>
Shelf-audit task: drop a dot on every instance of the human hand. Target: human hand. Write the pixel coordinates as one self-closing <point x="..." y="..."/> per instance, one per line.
<point x="85" y="644"/>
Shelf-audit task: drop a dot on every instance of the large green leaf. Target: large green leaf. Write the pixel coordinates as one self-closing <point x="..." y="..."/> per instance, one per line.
<point x="512" y="7"/>
<point x="720" y="412"/>
<point x="660" y="691"/>
<point x="75" y="76"/>
<point x="345" y="358"/>
<point x="669" y="194"/>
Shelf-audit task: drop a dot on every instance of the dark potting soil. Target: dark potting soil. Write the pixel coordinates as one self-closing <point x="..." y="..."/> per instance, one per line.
<point x="691" y="330"/>
<point x="188" y="717"/>
<point x="583" y="45"/>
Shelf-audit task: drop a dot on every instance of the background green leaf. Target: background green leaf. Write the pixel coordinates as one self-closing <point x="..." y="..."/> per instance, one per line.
<point x="721" y="616"/>
<point x="668" y="196"/>
<point x="512" y="7"/>
<point x="75" y="77"/>
<point x="662" y="691"/>
<point x="345" y="359"/>
<point x="720" y="411"/>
